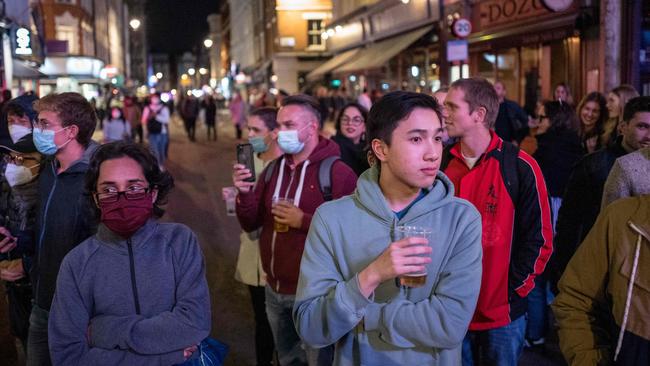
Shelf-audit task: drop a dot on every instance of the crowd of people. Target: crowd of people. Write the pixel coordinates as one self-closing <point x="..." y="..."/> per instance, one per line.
<point x="431" y="229"/>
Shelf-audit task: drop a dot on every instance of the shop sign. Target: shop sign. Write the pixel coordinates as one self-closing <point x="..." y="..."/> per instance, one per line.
<point x="23" y="42"/>
<point x="457" y="50"/>
<point x="497" y="12"/>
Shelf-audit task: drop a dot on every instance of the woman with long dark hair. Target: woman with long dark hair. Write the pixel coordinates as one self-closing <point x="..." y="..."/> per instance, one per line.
<point x="592" y="114"/>
<point x="558" y="149"/>
<point x="350" y="136"/>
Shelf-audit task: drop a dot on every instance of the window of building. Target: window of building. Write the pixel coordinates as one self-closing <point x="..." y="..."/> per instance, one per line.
<point x="314" y="29"/>
<point x="68" y="33"/>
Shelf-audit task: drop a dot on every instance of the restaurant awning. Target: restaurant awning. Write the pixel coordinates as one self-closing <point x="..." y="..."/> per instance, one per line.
<point x="23" y="71"/>
<point x="332" y="63"/>
<point x="378" y="54"/>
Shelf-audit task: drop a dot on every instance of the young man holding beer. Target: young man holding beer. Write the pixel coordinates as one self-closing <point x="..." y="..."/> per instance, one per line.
<point x="391" y="274"/>
<point x="283" y="205"/>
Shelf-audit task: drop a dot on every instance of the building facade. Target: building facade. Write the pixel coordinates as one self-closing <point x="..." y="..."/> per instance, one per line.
<point x="87" y="46"/>
<point x="21" y="45"/>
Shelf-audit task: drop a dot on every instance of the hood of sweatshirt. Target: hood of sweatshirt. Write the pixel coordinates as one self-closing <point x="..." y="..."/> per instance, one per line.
<point x="369" y="195"/>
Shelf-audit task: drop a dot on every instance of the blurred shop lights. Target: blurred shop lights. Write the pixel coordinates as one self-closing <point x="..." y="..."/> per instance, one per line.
<point x="208" y="43"/>
<point x="159" y="75"/>
<point x="203" y="71"/>
<point x="191" y="71"/>
<point x="135" y="24"/>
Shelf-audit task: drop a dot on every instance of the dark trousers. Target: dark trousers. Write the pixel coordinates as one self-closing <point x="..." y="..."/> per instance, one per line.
<point x="212" y="131"/>
<point x="38" y="352"/>
<point x="190" y="127"/>
<point x="138" y="134"/>
<point x="239" y="131"/>
<point x="264" y="346"/>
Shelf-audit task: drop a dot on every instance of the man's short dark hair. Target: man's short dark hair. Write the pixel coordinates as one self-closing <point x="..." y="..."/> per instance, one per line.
<point x="634" y="106"/>
<point x="161" y="180"/>
<point x="72" y="109"/>
<point x="308" y="102"/>
<point x="480" y="93"/>
<point x="389" y="110"/>
<point x="269" y="115"/>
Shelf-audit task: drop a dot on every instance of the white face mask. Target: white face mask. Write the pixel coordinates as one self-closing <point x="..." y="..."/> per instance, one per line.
<point x="17" y="175"/>
<point x="18" y="131"/>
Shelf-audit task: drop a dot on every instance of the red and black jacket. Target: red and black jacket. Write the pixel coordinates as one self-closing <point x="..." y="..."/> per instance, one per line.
<point x="507" y="187"/>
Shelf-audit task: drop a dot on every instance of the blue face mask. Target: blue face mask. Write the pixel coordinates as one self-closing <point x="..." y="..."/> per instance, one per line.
<point x="44" y="141"/>
<point x="289" y="142"/>
<point x="259" y="146"/>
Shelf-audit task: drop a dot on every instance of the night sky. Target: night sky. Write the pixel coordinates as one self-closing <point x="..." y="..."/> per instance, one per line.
<point x="175" y="26"/>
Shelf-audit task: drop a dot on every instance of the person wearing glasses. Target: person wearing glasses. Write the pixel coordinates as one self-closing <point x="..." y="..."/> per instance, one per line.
<point x="18" y="211"/>
<point x="63" y="132"/>
<point x="135" y="293"/>
<point x="351" y="136"/>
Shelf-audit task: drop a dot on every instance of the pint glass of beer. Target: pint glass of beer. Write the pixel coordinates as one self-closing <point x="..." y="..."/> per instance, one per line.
<point x="278" y="227"/>
<point x="401" y="232"/>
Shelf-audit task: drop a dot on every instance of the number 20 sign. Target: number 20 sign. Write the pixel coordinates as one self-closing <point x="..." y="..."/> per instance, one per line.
<point x="461" y="28"/>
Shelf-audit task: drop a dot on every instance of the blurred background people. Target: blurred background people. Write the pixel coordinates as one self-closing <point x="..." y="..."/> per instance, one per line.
<point x="351" y="137"/>
<point x="116" y="128"/>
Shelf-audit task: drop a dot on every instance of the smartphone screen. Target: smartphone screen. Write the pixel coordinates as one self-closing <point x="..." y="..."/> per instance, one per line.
<point x="245" y="157"/>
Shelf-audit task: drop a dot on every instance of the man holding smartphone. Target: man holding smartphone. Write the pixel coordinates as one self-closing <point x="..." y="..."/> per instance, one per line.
<point x="295" y="177"/>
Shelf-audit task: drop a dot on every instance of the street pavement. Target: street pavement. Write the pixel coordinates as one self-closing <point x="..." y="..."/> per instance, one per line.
<point x="200" y="170"/>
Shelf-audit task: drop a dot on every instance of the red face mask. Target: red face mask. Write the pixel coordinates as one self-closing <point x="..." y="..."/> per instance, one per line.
<point x="124" y="217"/>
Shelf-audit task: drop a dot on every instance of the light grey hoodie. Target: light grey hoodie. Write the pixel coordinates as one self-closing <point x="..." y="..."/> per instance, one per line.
<point x="417" y="326"/>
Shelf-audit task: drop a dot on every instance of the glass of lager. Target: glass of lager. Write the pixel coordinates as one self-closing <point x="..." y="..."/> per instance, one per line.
<point x="278" y="227"/>
<point x="419" y="278"/>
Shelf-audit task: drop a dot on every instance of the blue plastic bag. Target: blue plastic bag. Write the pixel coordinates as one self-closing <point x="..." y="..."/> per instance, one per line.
<point x="211" y="352"/>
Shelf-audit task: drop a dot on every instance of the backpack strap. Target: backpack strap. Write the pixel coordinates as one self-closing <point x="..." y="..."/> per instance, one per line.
<point x="510" y="170"/>
<point x="268" y="171"/>
<point x="446" y="157"/>
<point x="325" y="176"/>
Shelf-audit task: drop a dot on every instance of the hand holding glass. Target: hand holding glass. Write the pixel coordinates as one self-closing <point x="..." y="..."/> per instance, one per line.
<point x="416" y="279"/>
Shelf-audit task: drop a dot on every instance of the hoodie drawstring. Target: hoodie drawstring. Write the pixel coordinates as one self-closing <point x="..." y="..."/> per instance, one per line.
<point x="296" y="202"/>
<point x="628" y="298"/>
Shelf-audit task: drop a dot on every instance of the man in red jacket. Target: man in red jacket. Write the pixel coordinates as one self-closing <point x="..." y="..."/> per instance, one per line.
<point x="507" y="187"/>
<point x="295" y="176"/>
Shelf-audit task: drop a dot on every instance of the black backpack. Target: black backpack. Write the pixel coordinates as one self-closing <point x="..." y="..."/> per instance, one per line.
<point x="508" y="162"/>
<point x="324" y="175"/>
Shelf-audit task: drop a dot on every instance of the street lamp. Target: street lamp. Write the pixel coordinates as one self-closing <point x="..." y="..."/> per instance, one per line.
<point x="203" y="71"/>
<point x="191" y="71"/>
<point x="159" y="75"/>
<point x="135" y="24"/>
<point x="207" y="43"/>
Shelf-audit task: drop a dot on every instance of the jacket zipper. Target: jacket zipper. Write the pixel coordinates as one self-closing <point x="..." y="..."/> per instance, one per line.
<point x="43" y="220"/>
<point x="133" y="283"/>
<point x="277" y="281"/>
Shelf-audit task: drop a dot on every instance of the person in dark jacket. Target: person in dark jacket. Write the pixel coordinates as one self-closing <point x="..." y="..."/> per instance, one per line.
<point x="64" y="129"/>
<point x="210" y="108"/>
<point x="135" y="293"/>
<point x="558" y="149"/>
<point x="512" y="122"/>
<point x="584" y="191"/>
<point x="20" y="205"/>
<point x="189" y="113"/>
<point x="350" y="136"/>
